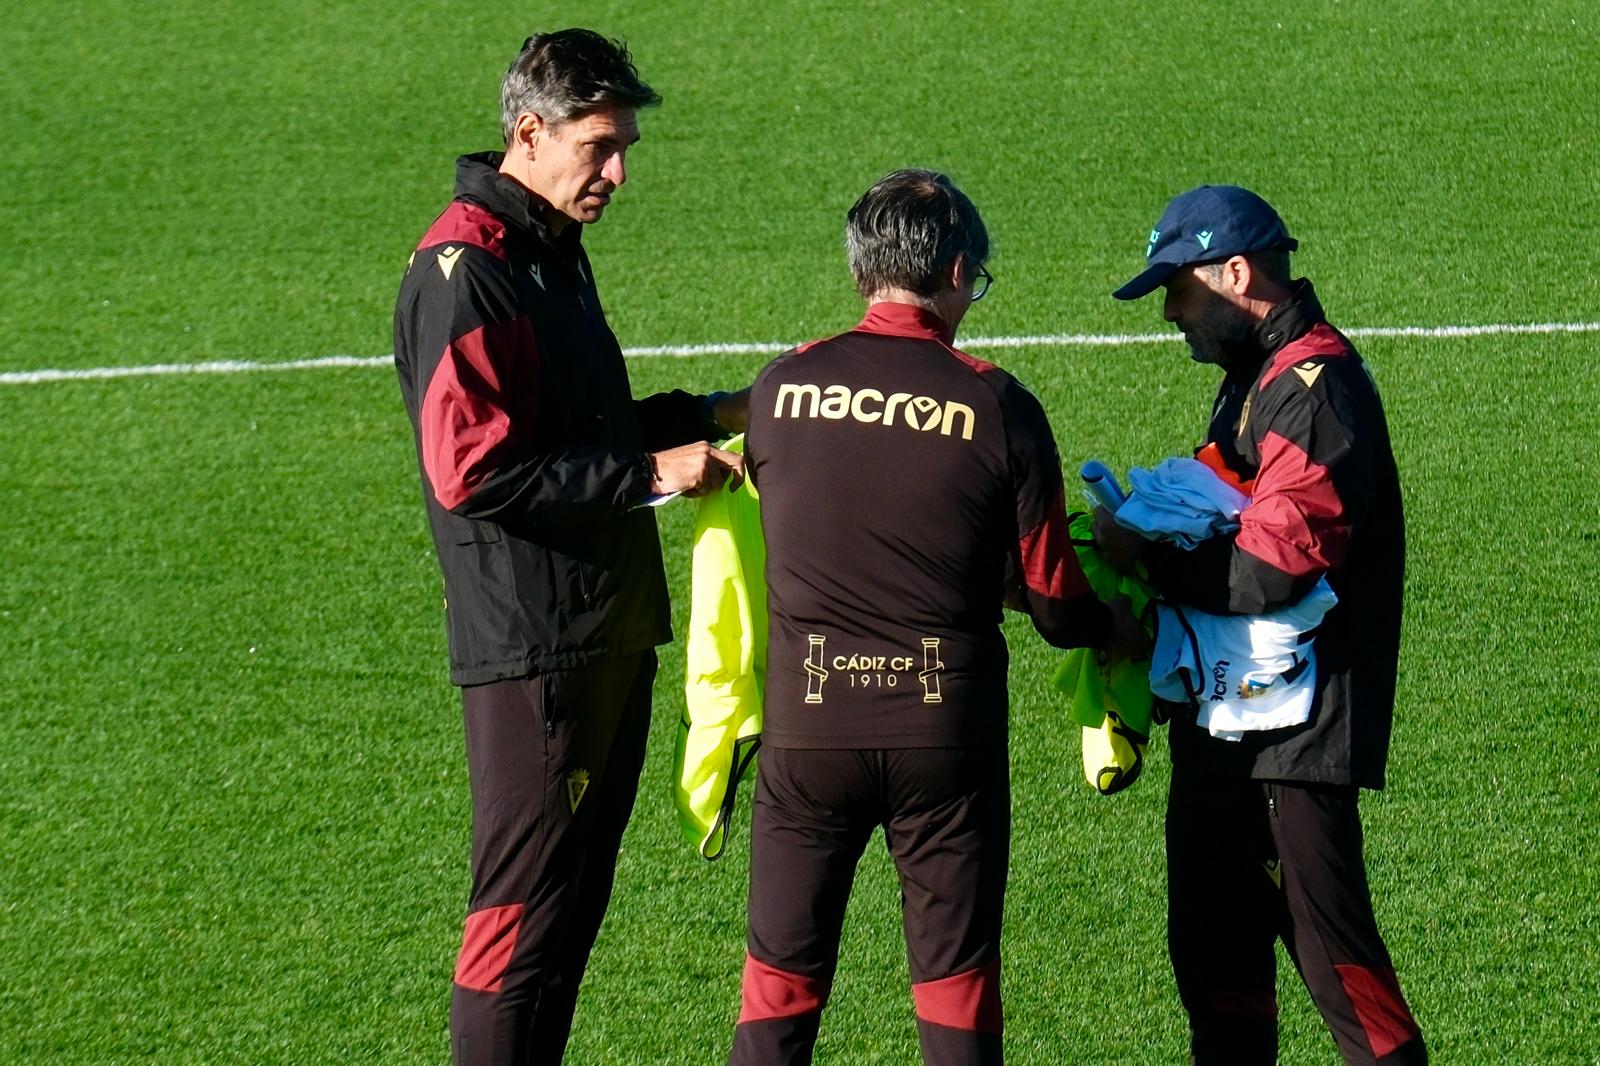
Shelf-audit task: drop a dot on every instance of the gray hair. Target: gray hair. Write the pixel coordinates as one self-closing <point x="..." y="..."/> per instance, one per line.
<point x="907" y="229"/>
<point x="561" y="75"/>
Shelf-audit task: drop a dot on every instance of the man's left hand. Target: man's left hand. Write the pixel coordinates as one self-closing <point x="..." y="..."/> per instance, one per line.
<point x="695" y="469"/>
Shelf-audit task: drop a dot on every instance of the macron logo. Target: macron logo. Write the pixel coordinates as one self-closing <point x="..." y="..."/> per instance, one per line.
<point x="839" y="401"/>
<point x="447" y="261"/>
<point x="1204" y="237"/>
<point x="1309" y="372"/>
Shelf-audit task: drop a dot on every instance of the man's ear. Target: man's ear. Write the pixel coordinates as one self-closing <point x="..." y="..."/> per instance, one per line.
<point x="1238" y="276"/>
<point x="526" y="132"/>
<point x="959" y="273"/>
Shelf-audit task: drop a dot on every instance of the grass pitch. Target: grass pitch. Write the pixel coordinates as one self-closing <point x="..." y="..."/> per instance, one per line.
<point x="233" y="803"/>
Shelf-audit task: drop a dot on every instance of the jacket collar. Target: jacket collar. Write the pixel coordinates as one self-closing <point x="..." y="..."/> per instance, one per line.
<point x="1290" y="320"/>
<point x="478" y="179"/>
<point x="1282" y="326"/>
<point x="906" y="320"/>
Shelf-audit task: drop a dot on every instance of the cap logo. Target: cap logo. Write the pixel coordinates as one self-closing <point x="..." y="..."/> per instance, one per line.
<point x="1204" y="237"/>
<point x="1154" y="234"/>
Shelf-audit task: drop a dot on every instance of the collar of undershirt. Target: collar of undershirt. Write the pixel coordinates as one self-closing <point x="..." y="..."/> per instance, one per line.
<point x="906" y="320"/>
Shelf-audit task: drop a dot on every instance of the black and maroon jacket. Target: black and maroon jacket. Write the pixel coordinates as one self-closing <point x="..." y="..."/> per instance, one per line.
<point x="898" y="476"/>
<point x="531" y="446"/>
<point x="1301" y="418"/>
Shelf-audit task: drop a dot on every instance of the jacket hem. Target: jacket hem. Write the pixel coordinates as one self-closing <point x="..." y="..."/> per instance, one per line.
<point x="465" y="677"/>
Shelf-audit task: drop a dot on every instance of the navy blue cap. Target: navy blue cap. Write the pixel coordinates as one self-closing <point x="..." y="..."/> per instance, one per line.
<point x="1208" y="225"/>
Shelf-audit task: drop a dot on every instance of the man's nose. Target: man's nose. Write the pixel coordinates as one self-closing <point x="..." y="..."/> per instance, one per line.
<point x="615" y="171"/>
<point x="1169" y="308"/>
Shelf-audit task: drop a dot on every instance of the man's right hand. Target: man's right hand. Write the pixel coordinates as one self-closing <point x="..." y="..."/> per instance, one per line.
<point x="695" y="469"/>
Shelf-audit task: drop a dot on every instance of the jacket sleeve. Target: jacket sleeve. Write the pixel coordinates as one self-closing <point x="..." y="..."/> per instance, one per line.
<point x="1297" y="525"/>
<point x="477" y="371"/>
<point x="670" y="419"/>
<point x="1064" y="608"/>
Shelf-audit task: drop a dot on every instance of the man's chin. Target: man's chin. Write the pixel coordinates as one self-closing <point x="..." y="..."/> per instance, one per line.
<point x="584" y="211"/>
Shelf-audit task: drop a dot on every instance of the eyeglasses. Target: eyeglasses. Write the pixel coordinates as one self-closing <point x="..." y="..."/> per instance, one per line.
<point x="980" y="284"/>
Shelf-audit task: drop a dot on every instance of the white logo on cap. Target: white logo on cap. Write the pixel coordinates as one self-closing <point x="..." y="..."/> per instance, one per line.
<point x="1204" y="237"/>
<point x="1152" y="245"/>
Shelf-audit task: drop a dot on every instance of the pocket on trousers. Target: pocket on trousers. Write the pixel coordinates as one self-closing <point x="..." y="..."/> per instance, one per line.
<point x="549" y="707"/>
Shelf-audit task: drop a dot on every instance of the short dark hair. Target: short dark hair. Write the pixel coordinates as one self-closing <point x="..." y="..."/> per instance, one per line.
<point x="560" y="75"/>
<point x="1272" y="264"/>
<point x="908" y="228"/>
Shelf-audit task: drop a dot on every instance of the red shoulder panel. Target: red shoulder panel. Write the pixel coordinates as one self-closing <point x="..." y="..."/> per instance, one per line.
<point x="971" y="361"/>
<point x="1322" y="342"/>
<point x="464" y="223"/>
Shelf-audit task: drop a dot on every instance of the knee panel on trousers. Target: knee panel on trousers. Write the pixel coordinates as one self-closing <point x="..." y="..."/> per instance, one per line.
<point x="1380" y="1007"/>
<point x="486" y="947"/>
<point x="773" y="993"/>
<point x="968" y="1001"/>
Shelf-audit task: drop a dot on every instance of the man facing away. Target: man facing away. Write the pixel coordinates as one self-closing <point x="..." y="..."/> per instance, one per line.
<point x="1264" y="839"/>
<point x="898" y="477"/>
<point x="535" y="460"/>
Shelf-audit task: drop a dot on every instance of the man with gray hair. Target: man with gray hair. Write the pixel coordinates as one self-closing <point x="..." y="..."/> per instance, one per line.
<point x="535" y="462"/>
<point x="901" y="480"/>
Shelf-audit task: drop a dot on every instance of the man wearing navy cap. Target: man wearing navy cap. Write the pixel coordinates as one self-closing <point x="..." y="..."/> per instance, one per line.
<point x="1263" y="834"/>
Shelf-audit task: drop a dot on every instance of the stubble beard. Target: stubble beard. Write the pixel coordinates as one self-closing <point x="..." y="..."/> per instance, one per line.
<point x="1220" y="333"/>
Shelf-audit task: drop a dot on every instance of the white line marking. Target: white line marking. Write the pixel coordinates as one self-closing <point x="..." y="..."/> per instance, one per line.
<point x="221" y="366"/>
<point x="1048" y="340"/>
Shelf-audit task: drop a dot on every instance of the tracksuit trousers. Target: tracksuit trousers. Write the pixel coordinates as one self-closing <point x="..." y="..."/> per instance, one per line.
<point x="946" y="816"/>
<point x="1252" y="862"/>
<point x="554" y="761"/>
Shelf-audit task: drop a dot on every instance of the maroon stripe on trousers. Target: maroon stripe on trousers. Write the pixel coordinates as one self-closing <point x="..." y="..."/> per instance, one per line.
<point x="1380" y="1008"/>
<point x="773" y="993"/>
<point x="969" y="1001"/>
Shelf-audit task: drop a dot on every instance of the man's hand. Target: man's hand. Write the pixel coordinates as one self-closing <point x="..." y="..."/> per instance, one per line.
<point x="1121" y="548"/>
<point x="695" y="469"/>
<point x="732" y="411"/>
